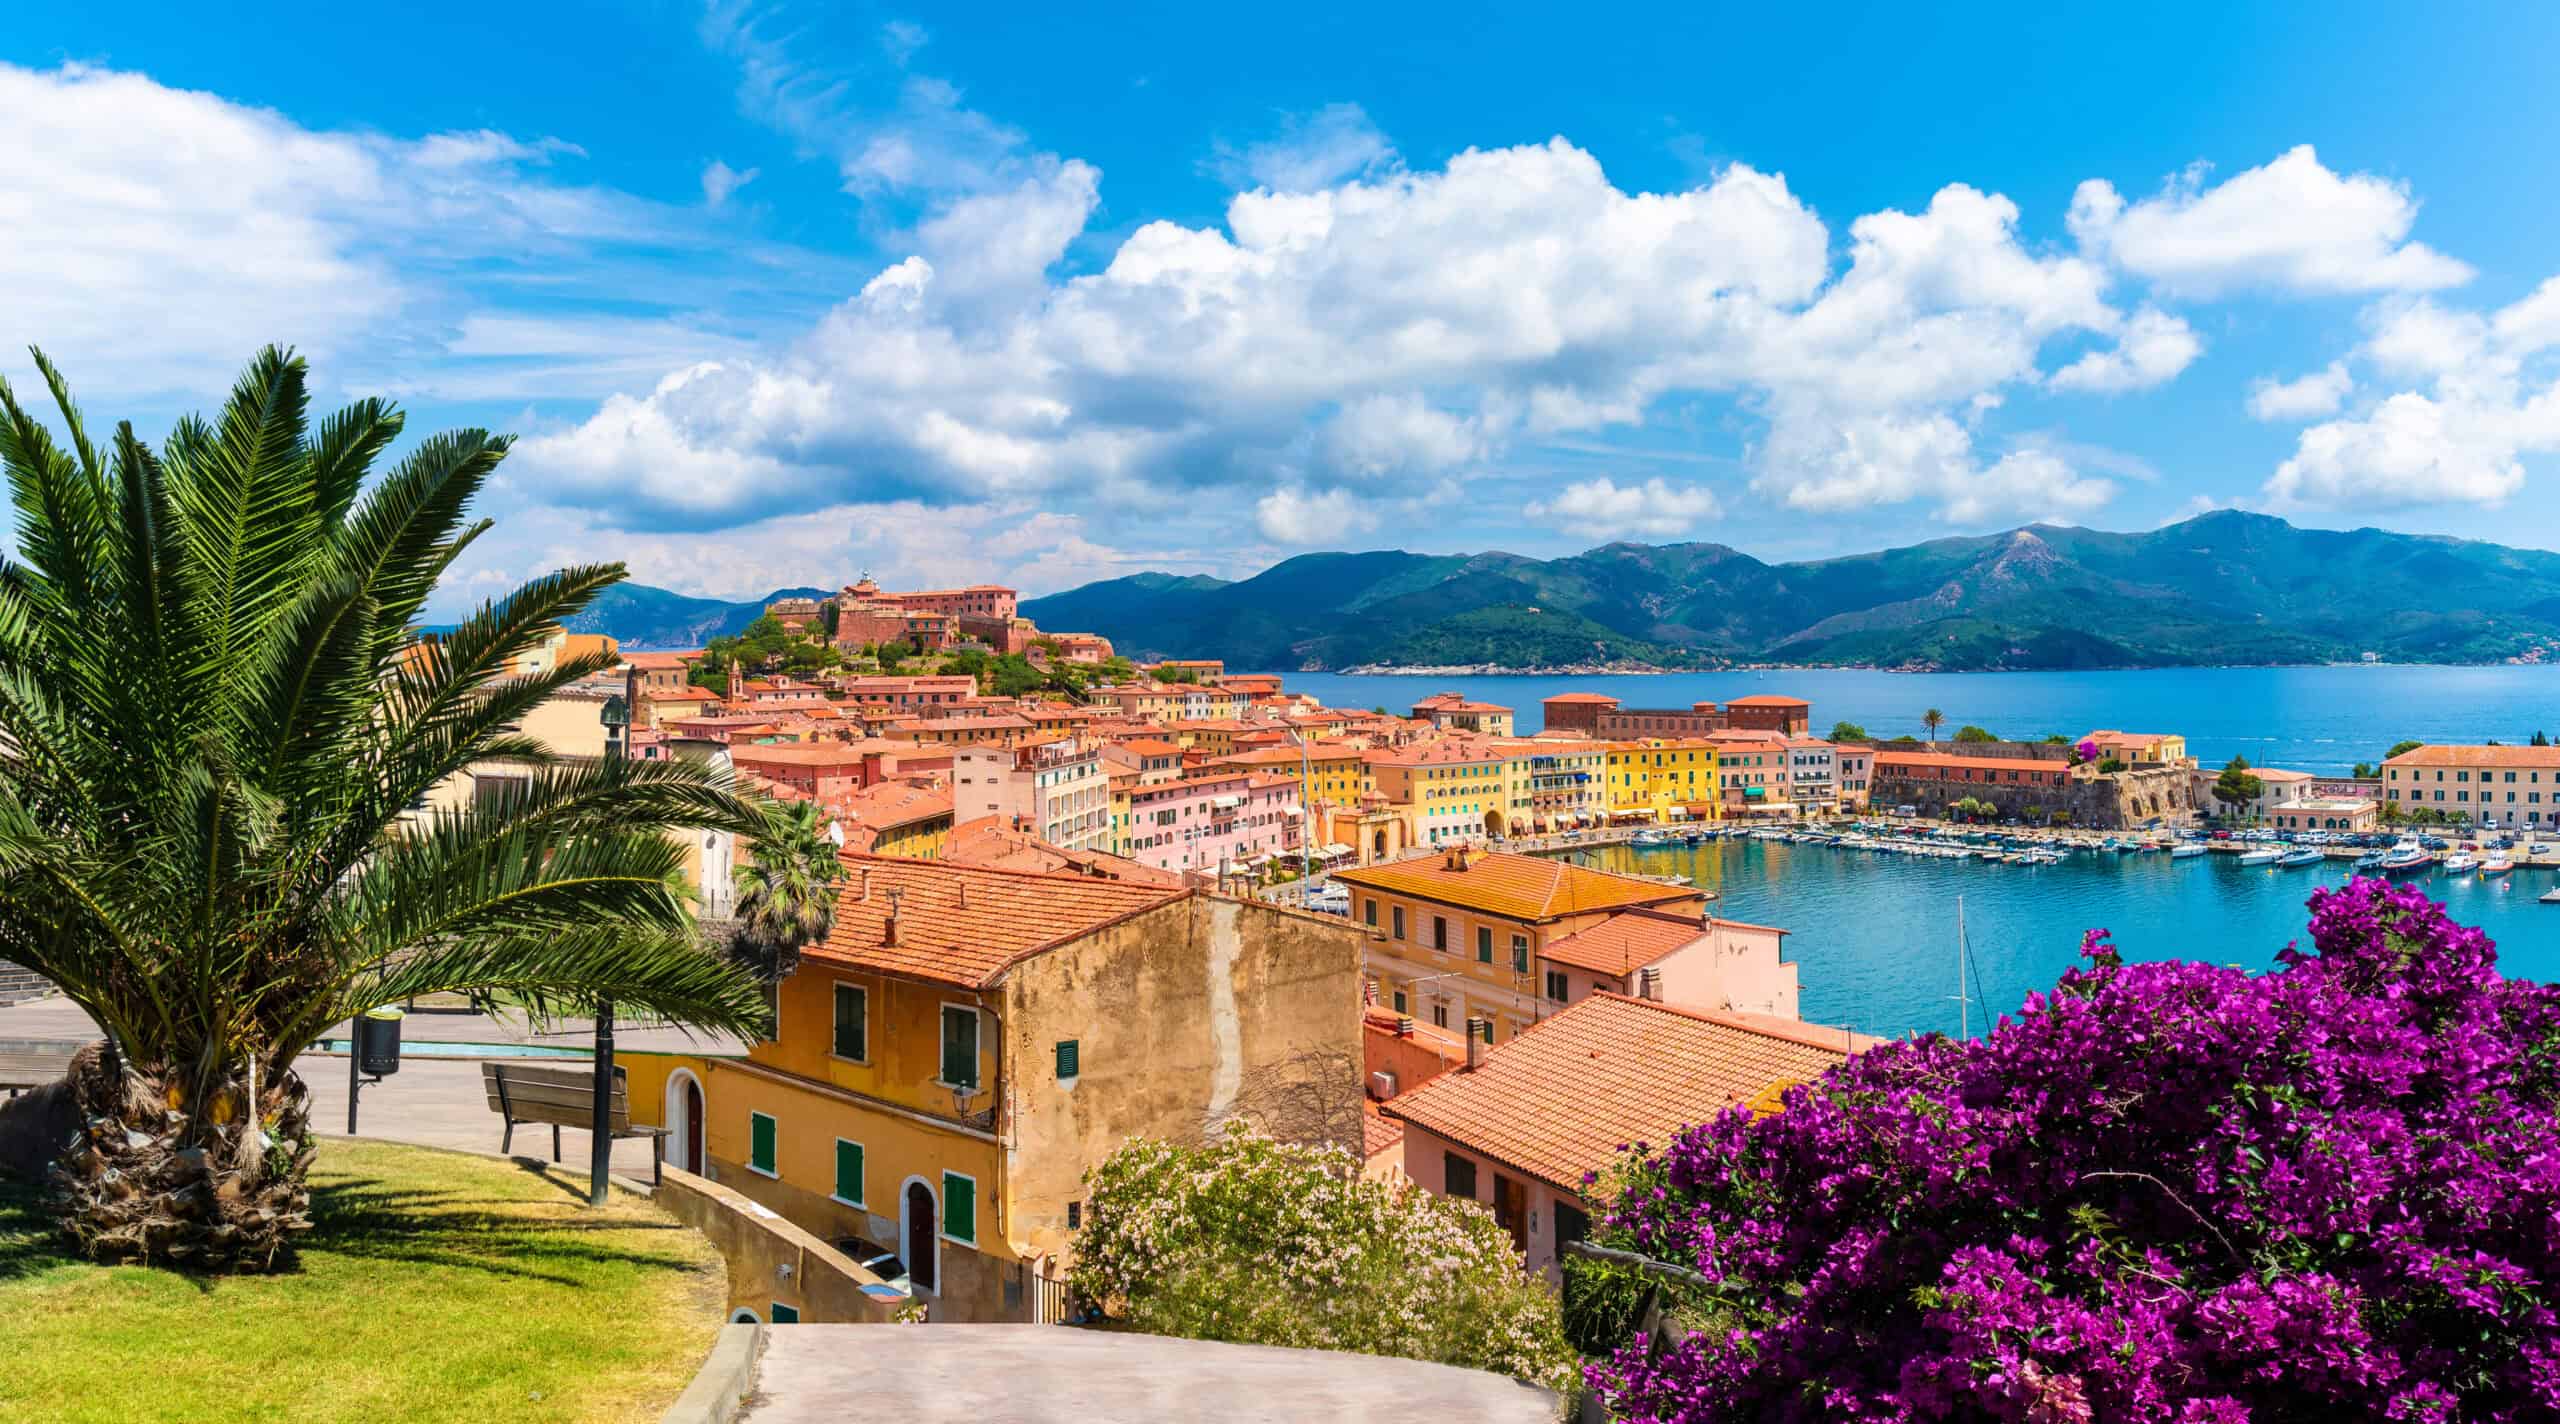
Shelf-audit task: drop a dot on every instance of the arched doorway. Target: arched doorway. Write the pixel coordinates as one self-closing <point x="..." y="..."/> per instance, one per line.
<point x="744" y="1316"/>
<point x="917" y="1228"/>
<point x="1381" y="844"/>
<point x="1493" y="823"/>
<point x="684" y="1121"/>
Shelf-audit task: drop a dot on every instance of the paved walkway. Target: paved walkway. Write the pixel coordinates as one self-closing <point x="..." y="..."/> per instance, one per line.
<point x="437" y="1102"/>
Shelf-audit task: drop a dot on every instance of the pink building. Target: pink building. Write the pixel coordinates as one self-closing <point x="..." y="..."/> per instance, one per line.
<point x="1232" y="819"/>
<point x="1055" y="789"/>
<point x="1697" y="962"/>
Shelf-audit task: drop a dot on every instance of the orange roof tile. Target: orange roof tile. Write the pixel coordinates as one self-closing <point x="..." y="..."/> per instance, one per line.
<point x="1558" y="1101"/>
<point x="1583" y="697"/>
<point x="2450" y="756"/>
<point x="1887" y="760"/>
<point x="1518" y="887"/>
<point x="1766" y="700"/>
<point x="1378" y="1132"/>
<point x="1624" y="943"/>
<point x="966" y="925"/>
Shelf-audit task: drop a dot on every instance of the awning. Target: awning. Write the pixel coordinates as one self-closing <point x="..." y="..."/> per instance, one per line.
<point x="1754" y="793"/>
<point x="1333" y="848"/>
<point x="1675" y="813"/>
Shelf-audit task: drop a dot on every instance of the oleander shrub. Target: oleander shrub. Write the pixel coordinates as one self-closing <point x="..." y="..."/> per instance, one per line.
<point x="2163" y="1191"/>
<point x="1253" y="1240"/>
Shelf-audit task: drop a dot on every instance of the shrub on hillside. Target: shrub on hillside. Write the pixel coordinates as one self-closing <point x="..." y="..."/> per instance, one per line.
<point x="1262" y="1242"/>
<point x="2162" y="1192"/>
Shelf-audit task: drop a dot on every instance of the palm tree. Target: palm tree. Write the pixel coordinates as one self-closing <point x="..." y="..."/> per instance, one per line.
<point x="1933" y="719"/>
<point x="219" y="729"/>
<point x="786" y="892"/>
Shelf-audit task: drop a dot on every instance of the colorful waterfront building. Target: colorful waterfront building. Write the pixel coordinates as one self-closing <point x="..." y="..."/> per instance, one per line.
<point x="1787" y="716"/>
<point x="1455" y="712"/>
<point x="1329" y="773"/>
<point x="944" y="1071"/>
<point x="1225" y="821"/>
<point x="2517" y="786"/>
<point x="1664" y="780"/>
<point x="1454" y="787"/>
<point x="1754" y="772"/>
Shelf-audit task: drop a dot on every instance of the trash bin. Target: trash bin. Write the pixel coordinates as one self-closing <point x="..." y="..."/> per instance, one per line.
<point x="378" y="1042"/>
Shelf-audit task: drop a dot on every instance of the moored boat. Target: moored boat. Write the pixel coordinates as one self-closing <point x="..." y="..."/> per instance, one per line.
<point x="2499" y="866"/>
<point x="2185" y="850"/>
<point x="2263" y="855"/>
<point x="2305" y="856"/>
<point x="2461" y="864"/>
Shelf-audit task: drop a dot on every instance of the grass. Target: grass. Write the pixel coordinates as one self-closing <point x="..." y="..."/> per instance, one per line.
<point x="433" y="1286"/>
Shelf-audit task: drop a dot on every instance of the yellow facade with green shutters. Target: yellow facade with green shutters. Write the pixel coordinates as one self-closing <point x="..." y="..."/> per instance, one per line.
<point x="1664" y="780"/>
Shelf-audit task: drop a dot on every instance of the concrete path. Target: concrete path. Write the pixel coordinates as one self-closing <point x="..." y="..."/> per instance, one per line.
<point x="437" y="1102"/>
<point x="999" y="1374"/>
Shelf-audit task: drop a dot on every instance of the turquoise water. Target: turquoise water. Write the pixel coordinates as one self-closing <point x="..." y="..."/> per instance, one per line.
<point x="2319" y="719"/>
<point x="1874" y="936"/>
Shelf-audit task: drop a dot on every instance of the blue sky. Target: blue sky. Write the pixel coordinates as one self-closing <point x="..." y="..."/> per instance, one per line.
<point x="773" y="294"/>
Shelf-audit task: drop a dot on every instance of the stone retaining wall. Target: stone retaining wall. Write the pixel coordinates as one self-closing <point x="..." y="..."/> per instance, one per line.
<point x="772" y="1260"/>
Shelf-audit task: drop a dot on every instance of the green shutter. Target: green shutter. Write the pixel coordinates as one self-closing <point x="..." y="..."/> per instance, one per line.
<point x="785" y="1314"/>
<point x="1484" y="945"/>
<point x="851" y="1003"/>
<point x="960" y="1047"/>
<point x="760" y="1131"/>
<point x="959" y="1208"/>
<point x="1069" y="1058"/>
<point x="849" y="1171"/>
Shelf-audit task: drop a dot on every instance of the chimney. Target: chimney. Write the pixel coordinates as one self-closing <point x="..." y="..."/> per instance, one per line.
<point x="1404" y="1025"/>
<point x="962" y="895"/>
<point x="1649" y="983"/>
<point x="862" y="886"/>
<point x="1479" y="1032"/>
<point x="889" y="929"/>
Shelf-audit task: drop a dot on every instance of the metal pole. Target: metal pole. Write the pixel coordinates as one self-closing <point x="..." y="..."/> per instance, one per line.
<point x="355" y="1082"/>
<point x="600" y="1131"/>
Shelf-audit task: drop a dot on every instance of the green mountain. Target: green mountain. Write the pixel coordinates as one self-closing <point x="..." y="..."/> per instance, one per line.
<point x="641" y="617"/>
<point x="2223" y="588"/>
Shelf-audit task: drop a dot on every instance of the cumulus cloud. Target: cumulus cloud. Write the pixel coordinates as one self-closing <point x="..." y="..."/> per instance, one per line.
<point x="1603" y="509"/>
<point x="719" y="180"/>
<point x="1294" y="516"/>
<point x="2034" y="485"/>
<point x="2490" y="395"/>
<point x="1311" y="151"/>
<point x="2289" y="225"/>
<point x="2152" y="347"/>
<point x="2302" y="398"/>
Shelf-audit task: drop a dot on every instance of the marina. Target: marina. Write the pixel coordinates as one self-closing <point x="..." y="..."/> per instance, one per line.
<point x="1862" y="906"/>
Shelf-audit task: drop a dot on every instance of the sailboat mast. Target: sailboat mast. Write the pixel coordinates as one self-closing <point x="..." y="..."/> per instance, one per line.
<point x="1964" y="1005"/>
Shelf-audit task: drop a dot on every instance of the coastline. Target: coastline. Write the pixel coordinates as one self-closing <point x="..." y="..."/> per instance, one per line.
<point x="1648" y="670"/>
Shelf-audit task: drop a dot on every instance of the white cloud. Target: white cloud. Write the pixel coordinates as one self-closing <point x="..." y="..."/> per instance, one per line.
<point x="1290" y="515"/>
<point x="2152" y="347"/>
<point x="2288" y="225"/>
<point x="2304" y="397"/>
<point x="900" y="39"/>
<point x="1310" y="152"/>
<point x="719" y="180"/>
<point x="1394" y="434"/>
<point x="1602" y="509"/>
<point x="2033" y="485"/>
<point x="2491" y="397"/>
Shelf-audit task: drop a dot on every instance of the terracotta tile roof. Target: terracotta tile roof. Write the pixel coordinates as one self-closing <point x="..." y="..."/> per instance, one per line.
<point x="1766" y="700"/>
<point x="1558" y="1100"/>
<point x="1624" y="943"/>
<point x="2269" y="773"/>
<point x="965" y="925"/>
<point x="1584" y="697"/>
<point x="1450" y="1047"/>
<point x="2448" y="756"/>
<point x="1378" y="1132"/>
<point x="889" y="804"/>
<point x="1886" y="761"/>
<point x="661" y="662"/>
<point x="992" y="843"/>
<point x="1517" y="887"/>
<point x="808" y="754"/>
<point x="1150" y="747"/>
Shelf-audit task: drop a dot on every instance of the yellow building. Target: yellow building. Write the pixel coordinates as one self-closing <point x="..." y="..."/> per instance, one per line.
<point x="1454" y="787"/>
<point x="1662" y="780"/>
<point x="1327" y="775"/>
<point x="1554" y="784"/>
<point x="1466" y="934"/>
<point x="969" y="1042"/>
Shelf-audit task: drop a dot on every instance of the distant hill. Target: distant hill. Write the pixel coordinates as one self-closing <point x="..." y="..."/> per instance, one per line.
<point x="640" y="617"/>
<point x="2228" y="587"/>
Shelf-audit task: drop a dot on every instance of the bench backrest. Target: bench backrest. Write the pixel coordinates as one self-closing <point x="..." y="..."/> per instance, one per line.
<point x="567" y="1096"/>
<point x="32" y="1063"/>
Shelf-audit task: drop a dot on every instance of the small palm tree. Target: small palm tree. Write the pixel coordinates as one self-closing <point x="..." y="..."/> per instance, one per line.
<point x="786" y="891"/>
<point x="219" y="729"/>
<point x="1933" y="719"/>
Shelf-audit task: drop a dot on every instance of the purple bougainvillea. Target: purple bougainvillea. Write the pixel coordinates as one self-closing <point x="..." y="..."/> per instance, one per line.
<point x="2161" y="1192"/>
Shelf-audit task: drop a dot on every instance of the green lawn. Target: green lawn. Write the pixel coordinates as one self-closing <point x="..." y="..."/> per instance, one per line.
<point x="433" y="1286"/>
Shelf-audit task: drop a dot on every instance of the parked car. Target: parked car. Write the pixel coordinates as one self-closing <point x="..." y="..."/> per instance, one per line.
<point x="878" y="1260"/>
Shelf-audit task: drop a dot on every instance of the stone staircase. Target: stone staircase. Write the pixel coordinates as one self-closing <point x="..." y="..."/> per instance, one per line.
<point x="17" y="986"/>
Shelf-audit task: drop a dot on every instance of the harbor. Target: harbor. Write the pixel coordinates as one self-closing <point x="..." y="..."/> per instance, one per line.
<point x="1871" y="911"/>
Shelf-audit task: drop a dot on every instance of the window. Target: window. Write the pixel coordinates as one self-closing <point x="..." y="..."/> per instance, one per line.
<point x="1070" y="1059"/>
<point x="1400" y="1008"/>
<point x="1484" y="945"/>
<point x="1519" y="954"/>
<point x="852" y="1029"/>
<point x="1399" y="921"/>
<point x="785" y="1314"/>
<point x="1440" y="933"/>
<point x="848" y="1172"/>
<point x="960" y="1208"/>
<point x="959" y="1047"/>
<point x="1556" y="985"/>
<point x="761" y="1130"/>
<point x="1440" y="1015"/>
<point x="1458" y="1175"/>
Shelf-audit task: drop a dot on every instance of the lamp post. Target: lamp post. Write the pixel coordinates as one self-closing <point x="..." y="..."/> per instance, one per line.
<point x="616" y="717"/>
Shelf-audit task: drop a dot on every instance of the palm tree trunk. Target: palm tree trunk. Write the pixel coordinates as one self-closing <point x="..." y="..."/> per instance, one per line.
<point x="160" y="1171"/>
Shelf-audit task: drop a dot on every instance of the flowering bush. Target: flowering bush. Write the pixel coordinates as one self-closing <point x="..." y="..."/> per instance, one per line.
<point x="2083" y="750"/>
<point x="2163" y="1192"/>
<point x="1258" y="1241"/>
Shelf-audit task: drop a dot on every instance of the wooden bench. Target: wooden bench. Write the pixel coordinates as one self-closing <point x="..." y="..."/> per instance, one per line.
<point x="33" y="1062"/>
<point x="564" y="1097"/>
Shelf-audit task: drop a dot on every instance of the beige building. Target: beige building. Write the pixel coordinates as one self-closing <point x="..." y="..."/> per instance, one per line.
<point x="2515" y="786"/>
